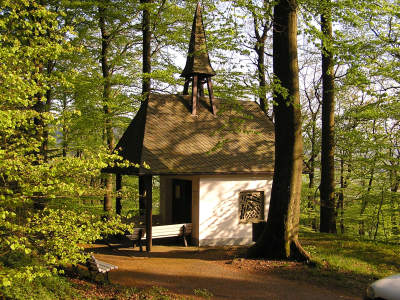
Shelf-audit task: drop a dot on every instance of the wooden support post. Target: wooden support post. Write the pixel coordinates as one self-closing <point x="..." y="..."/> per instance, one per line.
<point x="118" y="187"/>
<point x="211" y="95"/>
<point x="148" y="195"/>
<point x="184" y="235"/>
<point x="140" y="240"/>
<point x="194" y="95"/>
<point x="141" y="196"/>
<point x="186" y="86"/>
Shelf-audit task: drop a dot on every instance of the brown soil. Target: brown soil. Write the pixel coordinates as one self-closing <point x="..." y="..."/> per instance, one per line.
<point x="218" y="271"/>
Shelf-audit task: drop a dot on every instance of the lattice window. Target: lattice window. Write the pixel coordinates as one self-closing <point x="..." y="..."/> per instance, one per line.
<point x="251" y="206"/>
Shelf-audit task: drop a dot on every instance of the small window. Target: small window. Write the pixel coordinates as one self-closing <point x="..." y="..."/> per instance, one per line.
<point x="251" y="206"/>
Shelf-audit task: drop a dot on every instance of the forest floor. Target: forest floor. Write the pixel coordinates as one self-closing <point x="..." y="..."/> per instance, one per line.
<point x="172" y="272"/>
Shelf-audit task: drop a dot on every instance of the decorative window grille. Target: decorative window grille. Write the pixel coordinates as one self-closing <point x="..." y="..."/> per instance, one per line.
<point x="251" y="206"/>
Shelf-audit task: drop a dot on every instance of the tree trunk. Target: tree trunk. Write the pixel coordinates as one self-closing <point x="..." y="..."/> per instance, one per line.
<point x="394" y="186"/>
<point x="148" y="197"/>
<point x="118" y="189"/>
<point x="261" y="27"/>
<point x="39" y="201"/>
<point x="146" y="31"/>
<point x="40" y="108"/>
<point x="39" y="105"/>
<point x="64" y="129"/>
<point x="142" y="200"/>
<point x="146" y="88"/>
<point x="49" y="95"/>
<point x="340" y="206"/>
<point x="279" y="239"/>
<point x="260" y="48"/>
<point x="378" y="215"/>
<point x="327" y="187"/>
<point x="105" y="67"/>
<point x="311" y="175"/>
<point x="364" y="202"/>
<point x="45" y="143"/>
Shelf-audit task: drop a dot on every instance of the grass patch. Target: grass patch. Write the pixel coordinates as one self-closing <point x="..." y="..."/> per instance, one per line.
<point x="340" y="262"/>
<point x="45" y="288"/>
<point x="345" y="262"/>
<point x="342" y="254"/>
<point x="204" y="293"/>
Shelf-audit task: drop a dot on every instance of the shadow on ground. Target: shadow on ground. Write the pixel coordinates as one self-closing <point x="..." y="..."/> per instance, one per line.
<point x="217" y="270"/>
<point x="171" y="249"/>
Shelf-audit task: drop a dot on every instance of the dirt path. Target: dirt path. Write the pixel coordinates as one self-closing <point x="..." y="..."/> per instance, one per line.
<point x="182" y="270"/>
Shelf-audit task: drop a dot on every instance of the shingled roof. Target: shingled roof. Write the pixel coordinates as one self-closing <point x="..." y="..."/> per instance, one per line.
<point x="167" y="138"/>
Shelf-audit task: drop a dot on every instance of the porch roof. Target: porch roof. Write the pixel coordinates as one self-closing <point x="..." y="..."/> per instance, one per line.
<point x="166" y="137"/>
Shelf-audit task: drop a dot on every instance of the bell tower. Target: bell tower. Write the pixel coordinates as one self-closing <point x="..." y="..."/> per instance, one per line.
<point x="198" y="69"/>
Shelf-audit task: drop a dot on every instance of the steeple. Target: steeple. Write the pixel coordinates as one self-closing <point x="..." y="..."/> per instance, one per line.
<point x="198" y="68"/>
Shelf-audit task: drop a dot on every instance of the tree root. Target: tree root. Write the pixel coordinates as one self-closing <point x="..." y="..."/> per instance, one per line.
<point x="272" y="251"/>
<point x="298" y="253"/>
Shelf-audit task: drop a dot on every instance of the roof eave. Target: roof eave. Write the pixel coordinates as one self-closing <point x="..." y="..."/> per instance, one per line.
<point x="140" y="171"/>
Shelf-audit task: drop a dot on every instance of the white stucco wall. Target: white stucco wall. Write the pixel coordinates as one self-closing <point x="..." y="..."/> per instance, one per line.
<point x="219" y="208"/>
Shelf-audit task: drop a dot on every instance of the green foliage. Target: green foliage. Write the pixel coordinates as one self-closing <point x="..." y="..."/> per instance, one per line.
<point x="38" y="243"/>
<point x="46" y="288"/>
<point x="42" y="242"/>
<point x="156" y="292"/>
<point x="366" y="129"/>
<point x="204" y="293"/>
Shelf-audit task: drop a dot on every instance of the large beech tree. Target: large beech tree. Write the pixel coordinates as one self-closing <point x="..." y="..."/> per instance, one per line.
<point x="327" y="187"/>
<point x="105" y="67"/>
<point x="280" y="236"/>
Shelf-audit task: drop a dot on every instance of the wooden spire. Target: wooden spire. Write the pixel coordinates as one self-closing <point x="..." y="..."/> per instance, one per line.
<point x="198" y="69"/>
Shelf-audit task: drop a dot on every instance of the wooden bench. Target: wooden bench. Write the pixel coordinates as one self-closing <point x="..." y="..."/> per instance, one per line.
<point x="159" y="232"/>
<point x="97" y="266"/>
<point x="136" y="237"/>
